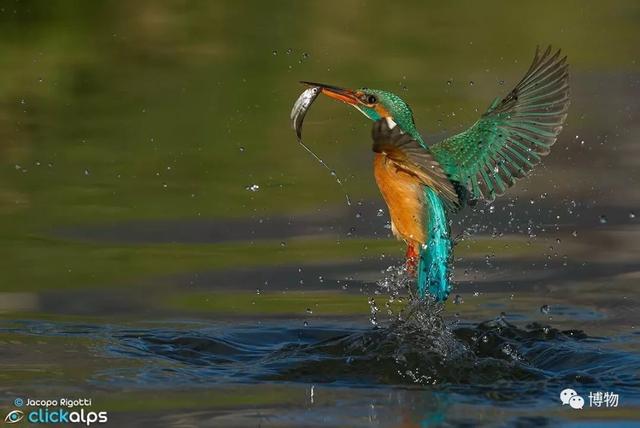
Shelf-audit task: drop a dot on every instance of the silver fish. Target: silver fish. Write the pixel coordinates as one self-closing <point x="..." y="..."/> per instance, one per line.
<point x="301" y="107"/>
<point x="298" y="113"/>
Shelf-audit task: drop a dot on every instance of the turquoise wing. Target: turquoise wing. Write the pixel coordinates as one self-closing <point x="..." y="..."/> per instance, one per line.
<point x="513" y="135"/>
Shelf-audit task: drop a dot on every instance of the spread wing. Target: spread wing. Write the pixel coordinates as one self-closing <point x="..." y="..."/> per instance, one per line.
<point x="409" y="156"/>
<point x="514" y="134"/>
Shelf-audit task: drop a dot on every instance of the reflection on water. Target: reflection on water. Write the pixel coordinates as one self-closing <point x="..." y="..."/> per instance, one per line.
<point x="164" y="239"/>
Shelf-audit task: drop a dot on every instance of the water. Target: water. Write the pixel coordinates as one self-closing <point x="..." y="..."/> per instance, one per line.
<point x="420" y="369"/>
<point x="169" y="250"/>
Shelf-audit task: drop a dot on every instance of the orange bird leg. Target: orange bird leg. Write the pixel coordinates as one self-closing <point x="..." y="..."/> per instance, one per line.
<point x="412" y="259"/>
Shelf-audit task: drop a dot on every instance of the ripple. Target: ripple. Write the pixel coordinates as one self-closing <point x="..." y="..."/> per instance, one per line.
<point x="470" y="359"/>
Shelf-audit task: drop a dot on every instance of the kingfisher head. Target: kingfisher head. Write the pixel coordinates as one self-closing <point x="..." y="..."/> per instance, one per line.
<point x="373" y="103"/>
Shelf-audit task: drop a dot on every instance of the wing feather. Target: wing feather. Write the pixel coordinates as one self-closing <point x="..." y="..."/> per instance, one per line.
<point x="514" y="134"/>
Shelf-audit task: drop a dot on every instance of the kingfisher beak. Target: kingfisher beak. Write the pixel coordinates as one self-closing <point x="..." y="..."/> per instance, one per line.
<point x="345" y="95"/>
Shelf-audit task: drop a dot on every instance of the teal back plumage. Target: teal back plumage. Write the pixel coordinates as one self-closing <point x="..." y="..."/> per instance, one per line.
<point x="435" y="256"/>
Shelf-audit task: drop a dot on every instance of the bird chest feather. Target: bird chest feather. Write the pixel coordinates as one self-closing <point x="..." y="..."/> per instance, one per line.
<point x="404" y="196"/>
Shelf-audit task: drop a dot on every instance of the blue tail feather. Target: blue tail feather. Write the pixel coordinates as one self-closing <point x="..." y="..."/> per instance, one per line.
<point x="435" y="255"/>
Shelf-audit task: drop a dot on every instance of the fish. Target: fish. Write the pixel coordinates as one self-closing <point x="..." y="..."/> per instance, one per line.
<point x="299" y="111"/>
<point x="301" y="107"/>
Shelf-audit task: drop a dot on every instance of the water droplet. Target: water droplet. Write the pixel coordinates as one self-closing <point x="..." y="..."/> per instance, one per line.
<point x="309" y="311"/>
<point x="632" y="215"/>
<point x="449" y="82"/>
<point x="86" y="172"/>
<point x="507" y="350"/>
<point x="252" y="188"/>
<point x="306" y="323"/>
<point x="242" y="149"/>
<point x="274" y="52"/>
<point x="283" y="244"/>
<point x="331" y="171"/>
<point x="380" y="212"/>
<point x="374" y="311"/>
<point x="574" y="233"/>
<point x="471" y="83"/>
<point x="501" y="82"/>
<point x="358" y="215"/>
<point x="258" y="291"/>
<point x="289" y="51"/>
<point x="603" y="219"/>
<point x="545" y="309"/>
<point x="458" y="300"/>
<point x="305" y="55"/>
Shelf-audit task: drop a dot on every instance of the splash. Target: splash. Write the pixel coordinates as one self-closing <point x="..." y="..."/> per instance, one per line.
<point x="422" y="350"/>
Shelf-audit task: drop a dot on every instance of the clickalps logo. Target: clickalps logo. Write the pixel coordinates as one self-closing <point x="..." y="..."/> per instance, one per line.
<point x="14" y="417"/>
<point x="62" y="411"/>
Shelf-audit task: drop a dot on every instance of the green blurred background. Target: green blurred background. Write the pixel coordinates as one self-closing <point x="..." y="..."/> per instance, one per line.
<point x="117" y="114"/>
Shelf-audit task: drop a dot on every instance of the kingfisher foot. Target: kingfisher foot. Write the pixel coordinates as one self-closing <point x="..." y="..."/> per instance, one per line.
<point x="412" y="260"/>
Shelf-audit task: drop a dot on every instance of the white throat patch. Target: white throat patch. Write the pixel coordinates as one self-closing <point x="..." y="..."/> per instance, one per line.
<point x="390" y="122"/>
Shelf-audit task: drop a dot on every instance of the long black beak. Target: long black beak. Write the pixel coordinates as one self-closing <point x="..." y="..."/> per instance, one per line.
<point x="345" y="95"/>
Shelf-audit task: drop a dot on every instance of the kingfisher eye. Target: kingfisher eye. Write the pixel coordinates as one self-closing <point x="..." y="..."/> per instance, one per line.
<point x="372" y="99"/>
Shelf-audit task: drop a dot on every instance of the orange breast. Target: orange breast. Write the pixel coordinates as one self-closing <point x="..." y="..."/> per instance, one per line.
<point x="405" y="198"/>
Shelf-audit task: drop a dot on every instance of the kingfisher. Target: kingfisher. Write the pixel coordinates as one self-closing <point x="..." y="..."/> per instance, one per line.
<point x="424" y="184"/>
